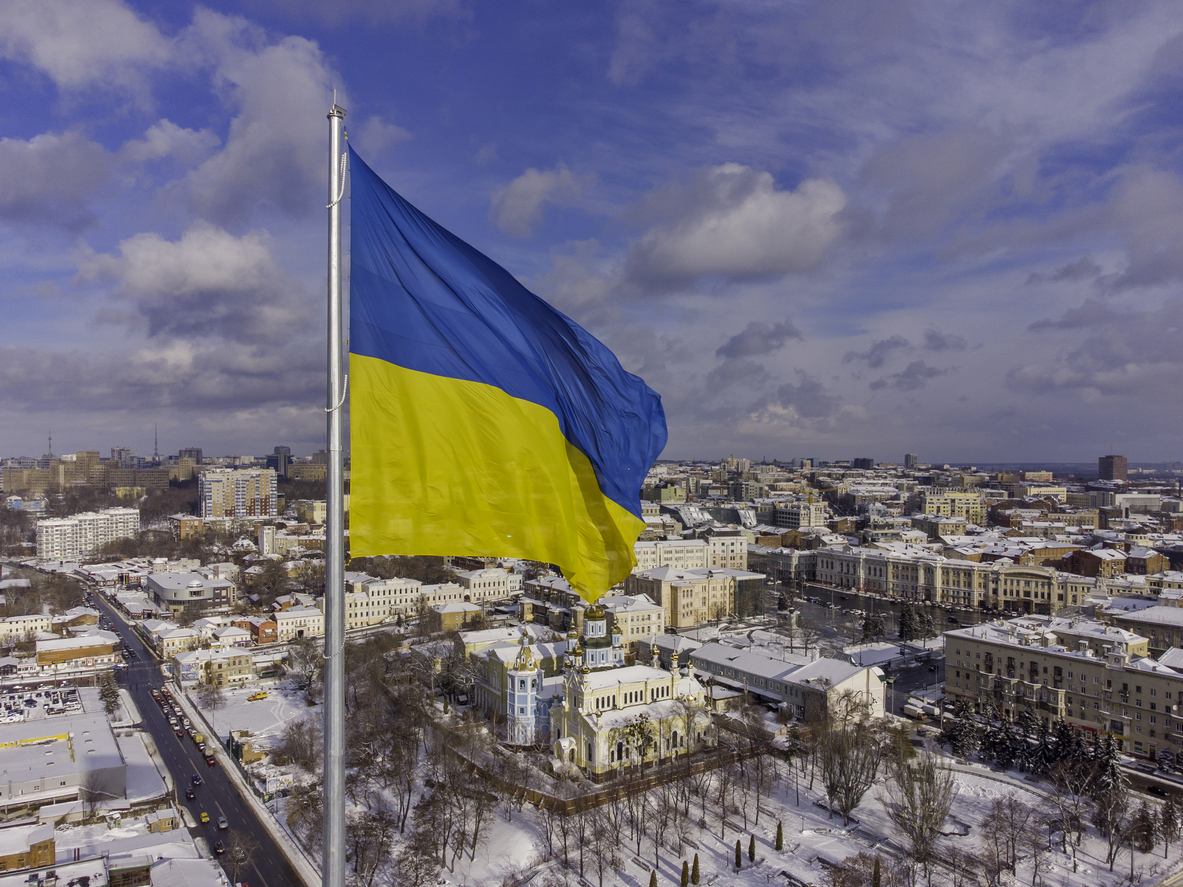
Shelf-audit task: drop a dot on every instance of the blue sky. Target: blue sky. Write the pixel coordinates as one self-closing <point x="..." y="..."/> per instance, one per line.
<point x="842" y="229"/>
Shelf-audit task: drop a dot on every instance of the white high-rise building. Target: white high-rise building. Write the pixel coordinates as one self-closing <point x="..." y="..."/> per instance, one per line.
<point x="82" y="534"/>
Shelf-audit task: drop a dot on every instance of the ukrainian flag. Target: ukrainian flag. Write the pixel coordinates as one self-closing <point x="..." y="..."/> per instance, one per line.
<point x="483" y="421"/>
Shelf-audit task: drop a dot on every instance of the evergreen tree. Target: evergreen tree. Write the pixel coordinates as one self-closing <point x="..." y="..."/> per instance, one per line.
<point x="1043" y="755"/>
<point x="876" y="874"/>
<point x="1168" y="822"/>
<point x="752" y="848"/>
<point x="652" y="877"/>
<point x="1145" y="829"/>
<point x="908" y="629"/>
<point x="780" y="836"/>
<point x="685" y="873"/>
<point x="1006" y="750"/>
<point x="1166" y="760"/>
<point x="738" y="855"/>
<point x="109" y="692"/>
<point x="694" y="871"/>
<point x="873" y="628"/>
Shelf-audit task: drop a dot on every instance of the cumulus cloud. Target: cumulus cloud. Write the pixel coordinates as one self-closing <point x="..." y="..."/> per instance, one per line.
<point x="935" y="340"/>
<point x="758" y="338"/>
<point x="274" y="152"/>
<point x="733" y="222"/>
<point x="80" y="43"/>
<point x="207" y="284"/>
<point x="165" y="140"/>
<point x="878" y="353"/>
<point x="518" y="207"/>
<point x="807" y="398"/>
<point x="51" y="177"/>
<point x="915" y="375"/>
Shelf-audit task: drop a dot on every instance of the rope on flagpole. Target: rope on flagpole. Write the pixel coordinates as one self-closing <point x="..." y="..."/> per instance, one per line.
<point x="342" y="177"/>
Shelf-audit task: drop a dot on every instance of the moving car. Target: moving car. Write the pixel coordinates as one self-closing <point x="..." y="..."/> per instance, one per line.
<point x="222" y="823"/>
<point x="190" y="794"/>
<point x="204" y="816"/>
<point x="219" y="848"/>
<point x="197" y="779"/>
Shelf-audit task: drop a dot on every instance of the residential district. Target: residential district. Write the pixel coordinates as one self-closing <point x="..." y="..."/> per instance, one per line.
<point x="817" y="673"/>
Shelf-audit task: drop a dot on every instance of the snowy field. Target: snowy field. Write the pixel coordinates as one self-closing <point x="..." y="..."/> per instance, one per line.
<point x="513" y="845"/>
<point x="264" y="718"/>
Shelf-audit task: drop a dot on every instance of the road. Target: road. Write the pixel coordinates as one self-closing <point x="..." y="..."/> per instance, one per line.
<point x="217" y="795"/>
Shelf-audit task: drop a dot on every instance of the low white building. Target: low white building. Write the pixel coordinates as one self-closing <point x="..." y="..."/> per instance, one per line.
<point x="299" y="622"/>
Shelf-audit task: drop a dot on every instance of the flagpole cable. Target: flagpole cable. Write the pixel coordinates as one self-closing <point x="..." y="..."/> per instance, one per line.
<point x="333" y="850"/>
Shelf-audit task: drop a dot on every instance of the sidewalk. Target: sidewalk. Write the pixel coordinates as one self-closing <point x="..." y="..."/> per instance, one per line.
<point x="295" y="854"/>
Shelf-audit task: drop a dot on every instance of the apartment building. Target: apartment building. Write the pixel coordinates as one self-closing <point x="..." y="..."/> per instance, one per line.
<point x="70" y="537"/>
<point x="1096" y="677"/>
<point x="686" y="554"/>
<point x="691" y="597"/>
<point x="222" y="668"/>
<point x="971" y="507"/>
<point x="916" y="573"/>
<point x="634" y="618"/>
<point x="241" y="493"/>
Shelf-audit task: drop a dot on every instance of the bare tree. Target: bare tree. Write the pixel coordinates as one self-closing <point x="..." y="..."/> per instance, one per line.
<point x="239" y="851"/>
<point x="1003" y="828"/>
<point x="211" y="697"/>
<point x="97" y="788"/>
<point x="605" y="844"/>
<point x="918" y="798"/>
<point x="849" y="756"/>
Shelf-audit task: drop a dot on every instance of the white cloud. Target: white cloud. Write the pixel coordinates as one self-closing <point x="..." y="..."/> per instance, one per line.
<point x="51" y="177"/>
<point x="207" y="284"/>
<point x="518" y="207"/>
<point x="79" y="43"/>
<point x="274" y="152"/>
<point x="733" y="222"/>
<point x="164" y="139"/>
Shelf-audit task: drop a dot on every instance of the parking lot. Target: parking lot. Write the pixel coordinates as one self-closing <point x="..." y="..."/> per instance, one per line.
<point x="25" y="704"/>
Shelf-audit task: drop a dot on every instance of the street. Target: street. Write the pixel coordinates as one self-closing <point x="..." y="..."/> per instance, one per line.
<point x="217" y="795"/>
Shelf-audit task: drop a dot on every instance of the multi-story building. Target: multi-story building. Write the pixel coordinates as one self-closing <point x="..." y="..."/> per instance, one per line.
<point x="1113" y="468"/>
<point x="222" y="668"/>
<point x="801" y="514"/>
<point x="200" y="589"/>
<point x="971" y="507"/>
<point x="299" y="622"/>
<point x="691" y="597"/>
<point x="634" y="618"/>
<point x="239" y="494"/>
<point x="917" y="573"/>
<point x="25" y="626"/>
<point x="492" y="584"/>
<point x="1096" y="677"/>
<point x="83" y="534"/>
<point x="686" y="554"/>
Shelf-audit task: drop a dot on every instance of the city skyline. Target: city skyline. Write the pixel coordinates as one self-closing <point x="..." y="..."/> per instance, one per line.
<point x="866" y="230"/>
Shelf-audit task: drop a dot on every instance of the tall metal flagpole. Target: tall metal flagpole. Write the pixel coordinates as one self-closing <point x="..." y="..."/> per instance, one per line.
<point x="333" y="856"/>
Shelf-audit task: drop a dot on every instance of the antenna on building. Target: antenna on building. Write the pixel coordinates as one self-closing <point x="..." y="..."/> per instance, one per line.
<point x="51" y="444"/>
<point x="155" y="443"/>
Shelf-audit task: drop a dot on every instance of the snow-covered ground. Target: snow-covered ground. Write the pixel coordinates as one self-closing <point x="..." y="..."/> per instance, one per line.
<point x="264" y="718"/>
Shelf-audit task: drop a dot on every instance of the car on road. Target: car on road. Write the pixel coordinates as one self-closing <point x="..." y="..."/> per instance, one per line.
<point x="209" y="760"/>
<point x="219" y="848"/>
<point x="196" y="779"/>
<point x="190" y="794"/>
<point x="222" y="823"/>
<point x="204" y="816"/>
